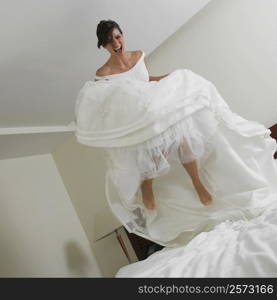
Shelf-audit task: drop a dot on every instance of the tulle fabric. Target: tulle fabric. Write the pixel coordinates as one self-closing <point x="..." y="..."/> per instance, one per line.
<point x="149" y="129"/>
<point x="183" y="142"/>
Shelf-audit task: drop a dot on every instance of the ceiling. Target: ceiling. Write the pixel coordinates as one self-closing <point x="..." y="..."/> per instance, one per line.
<point x="48" y="51"/>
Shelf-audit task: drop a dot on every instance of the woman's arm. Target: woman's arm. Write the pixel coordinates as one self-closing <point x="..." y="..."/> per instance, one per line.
<point x="157" y="78"/>
<point x="154" y="78"/>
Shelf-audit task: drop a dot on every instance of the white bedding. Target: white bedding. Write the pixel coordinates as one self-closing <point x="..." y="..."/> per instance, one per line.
<point x="231" y="249"/>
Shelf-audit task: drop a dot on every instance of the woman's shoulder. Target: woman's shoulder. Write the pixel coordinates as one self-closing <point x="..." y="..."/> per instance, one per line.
<point x="136" y="55"/>
<point x="139" y="54"/>
<point x="106" y="69"/>
<point x="103" y="71"/>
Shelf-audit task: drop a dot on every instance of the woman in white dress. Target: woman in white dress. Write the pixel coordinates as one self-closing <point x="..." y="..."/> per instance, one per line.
<point x="111" y="38"/>
<point x="154" y="127"/>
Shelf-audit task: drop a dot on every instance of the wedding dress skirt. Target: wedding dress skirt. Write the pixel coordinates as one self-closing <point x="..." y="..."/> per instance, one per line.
<point x="148" y="129"/>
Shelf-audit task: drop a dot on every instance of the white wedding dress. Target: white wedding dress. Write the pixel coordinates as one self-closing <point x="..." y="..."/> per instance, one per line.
<point x="148" y="128"/>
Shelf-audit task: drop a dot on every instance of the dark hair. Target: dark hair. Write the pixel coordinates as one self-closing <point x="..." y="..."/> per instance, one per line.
<point x="104" y="30"/>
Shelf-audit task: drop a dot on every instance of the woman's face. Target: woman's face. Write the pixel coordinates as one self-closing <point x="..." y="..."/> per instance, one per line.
<point x="116" y="44"/>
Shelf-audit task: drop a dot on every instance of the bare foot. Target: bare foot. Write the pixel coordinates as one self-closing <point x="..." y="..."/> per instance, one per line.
<point x="203" y="194"/>
<point x="148" y="198"/>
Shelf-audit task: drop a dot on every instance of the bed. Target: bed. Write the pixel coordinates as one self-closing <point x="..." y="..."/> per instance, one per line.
<point x="243" y="248"/>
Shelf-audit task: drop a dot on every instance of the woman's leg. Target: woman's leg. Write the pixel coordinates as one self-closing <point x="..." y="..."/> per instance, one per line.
<point x="146" y="185"/>
<point x="184" y="150"/>
<point x="203" y="194"/>
<point x="147" y="193"/>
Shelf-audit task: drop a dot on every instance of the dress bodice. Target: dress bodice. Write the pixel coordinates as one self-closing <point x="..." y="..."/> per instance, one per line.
<point x="137" y="72"/>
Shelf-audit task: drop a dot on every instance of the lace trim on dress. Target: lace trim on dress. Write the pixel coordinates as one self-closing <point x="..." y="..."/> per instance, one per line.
<point x="182" y="143"/>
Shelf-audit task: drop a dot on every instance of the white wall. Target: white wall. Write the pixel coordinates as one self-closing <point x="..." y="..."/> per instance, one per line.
<point x="40" y="233"/>
<point x="82" y="169"/>
<point x="234" y="45"/>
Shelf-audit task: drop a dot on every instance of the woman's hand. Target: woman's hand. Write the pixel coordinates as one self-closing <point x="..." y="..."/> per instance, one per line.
<point x="157" y="78"/>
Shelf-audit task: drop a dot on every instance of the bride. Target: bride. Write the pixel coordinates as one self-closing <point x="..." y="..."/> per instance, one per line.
<point x="111" y="38"/>
<point x="148" y="125"/>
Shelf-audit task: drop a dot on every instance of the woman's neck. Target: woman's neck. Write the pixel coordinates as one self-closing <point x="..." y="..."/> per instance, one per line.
<point x="122" y="60"/>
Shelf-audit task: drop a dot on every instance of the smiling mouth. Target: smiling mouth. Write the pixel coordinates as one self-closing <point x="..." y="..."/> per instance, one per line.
<point x="118" y="49"/>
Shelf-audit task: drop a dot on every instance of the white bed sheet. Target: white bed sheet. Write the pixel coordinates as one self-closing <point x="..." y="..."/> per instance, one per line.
<point x="232" y="249"/>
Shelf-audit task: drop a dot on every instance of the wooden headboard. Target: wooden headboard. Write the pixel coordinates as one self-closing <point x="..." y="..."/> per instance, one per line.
<point x="273" y="130"/>
<point x="142" y="247"/>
